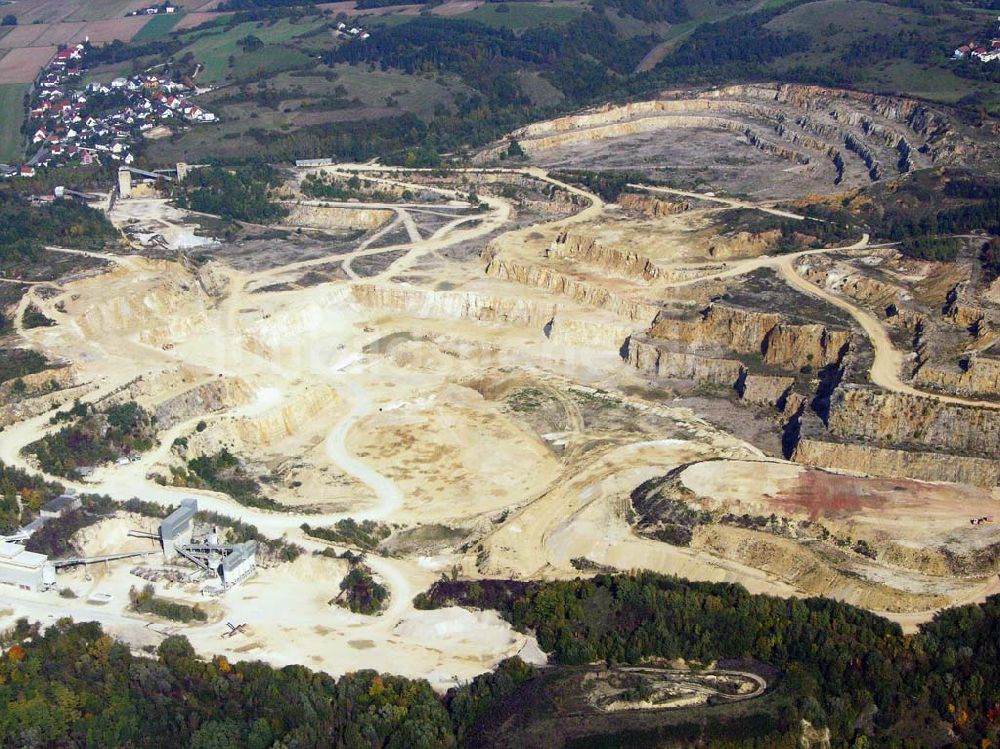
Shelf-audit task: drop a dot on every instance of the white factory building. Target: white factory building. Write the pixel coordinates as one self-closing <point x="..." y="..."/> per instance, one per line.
<point x="25" y="569"/>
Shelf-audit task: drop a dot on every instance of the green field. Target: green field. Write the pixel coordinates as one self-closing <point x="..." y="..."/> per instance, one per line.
<point x="11" y="117"/>
<point x="274" y="58"/>
<point x="159" y="26"/>
<point x="214" y="48"/>
<point x="519" y="16"/>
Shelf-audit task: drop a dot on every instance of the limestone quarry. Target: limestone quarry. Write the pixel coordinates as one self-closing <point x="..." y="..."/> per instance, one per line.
<point x="549" y="382"/>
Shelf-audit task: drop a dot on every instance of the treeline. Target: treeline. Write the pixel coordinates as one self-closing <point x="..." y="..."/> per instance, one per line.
<point x="19" y="362"/>
<point x="26" y="228"/>
<point x="21" y="494"/>
<point x="93" y="437"/>
<point x="366" y="535"/>
<point x="223" y="472"/>
<point x="146" y="601"/>
<point x="239" y="193"/>
<point x="73" y="685"/>
<point x="735" y="48"/>
<point x="845" y="666"/>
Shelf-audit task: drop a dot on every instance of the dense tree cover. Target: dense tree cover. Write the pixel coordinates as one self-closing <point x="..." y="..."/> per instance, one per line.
<point x="989" y="258"/>
<point x="942" y="249"/>
<point x="33" y="317"/>
<point x="224" y="472"/>
<point x="18" y="362"/>
<point x="839" y="660"/>
<point x="361" y="592"/>
<point x="72" y="685"/>
<point x="366" y="535"/>
<point x="316" y="185"/>
<point x="146" y="601"/>
<point x="25" y="228"/>
<point x="119" y="51"/>
<point x="736" y="47"/>
<point x="93" y="437"/>
<point x="237" y="193"/>
<point x="608" y="184"/>
<point x="21" y="494"/>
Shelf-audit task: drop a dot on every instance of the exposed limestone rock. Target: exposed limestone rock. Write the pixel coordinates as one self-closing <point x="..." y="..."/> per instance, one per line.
<point x="975" y="376"/>
<point x="209" y="397"/>
<point x="876" y="416"/>
<point x="652" y="207"/>
<point x="335" y="217"/>
<point x="656" y="360"/>
<point x="747" y="331"/>
<point x="764" y="390"/>
<point x="891" y="463"/>
<point x="743" y="244"/>
<point x="623" y="263"/>
<point x="455" y="305"/>
<point x="580" y="291"/>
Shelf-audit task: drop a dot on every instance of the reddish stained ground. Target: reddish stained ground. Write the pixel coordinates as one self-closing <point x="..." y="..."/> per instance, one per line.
<point x="822" y="494"/>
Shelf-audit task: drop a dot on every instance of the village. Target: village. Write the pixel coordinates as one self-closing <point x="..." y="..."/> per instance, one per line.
<point x="72" y="124"/>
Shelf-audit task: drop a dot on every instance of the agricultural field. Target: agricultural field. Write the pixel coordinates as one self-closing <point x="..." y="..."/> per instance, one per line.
<point x="11" y="116"/>
<point x="519" y="16"/>
<point x="158" y="26"/>
<point x="214" y="48"/>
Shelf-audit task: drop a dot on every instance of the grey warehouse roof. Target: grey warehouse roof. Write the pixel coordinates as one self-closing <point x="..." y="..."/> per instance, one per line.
<point x="179" y="518"/>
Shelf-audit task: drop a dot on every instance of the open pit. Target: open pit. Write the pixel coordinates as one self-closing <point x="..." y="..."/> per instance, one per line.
<point x="545" y="385"/>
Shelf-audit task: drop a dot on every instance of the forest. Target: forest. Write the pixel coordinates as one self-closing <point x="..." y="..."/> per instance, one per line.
<point x="842" y="665"/>
<point x="93" y="437"/>
<point x="26" y="228"/>
<point x="236" y="193"/>
<point x="72" y="686"/>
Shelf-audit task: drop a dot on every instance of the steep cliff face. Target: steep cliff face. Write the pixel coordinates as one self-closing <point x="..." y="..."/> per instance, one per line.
<point x="652" y="207"/>
<point x="661" y="362"/>
<point x="863" y="413"/>
<point x="614" y="260"/>
<point x="334" y="217"/>
<point x="742" y="244"/>
<point x="763" y="390"/>
<point x="978" y="377"/>
<point x="747" y="331"/>
<point x="589" y="294"/>
<point x="456" y="305"/>
<point x="206" y="398"/>
<point x="892" y="463"/>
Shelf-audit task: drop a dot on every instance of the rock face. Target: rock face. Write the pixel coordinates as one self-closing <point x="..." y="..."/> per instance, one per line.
<point x="862" y="413"/>
<point x="334" y="217"/>
<point x="977" y="377"/>
<point x="579" y="291"/>
<point x="206" y="398"/>
<point x="456" y="305"/>
<point x="780" y="342"/>
<point x="661" y="362"/>
<point x="743" y="244"/>
<point x="891" y="463"/>
<point x="652" y="207"/>
<point x="763" y="390"/>
<point x="613" y="260"/>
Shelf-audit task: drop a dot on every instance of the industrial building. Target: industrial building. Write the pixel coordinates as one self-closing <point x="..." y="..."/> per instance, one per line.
<point x="59" y="506"/>
<point x="177" y="528"/>
<point x="230" y="563"/>
<point x="25" y="569"/>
